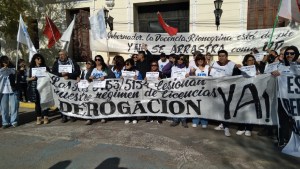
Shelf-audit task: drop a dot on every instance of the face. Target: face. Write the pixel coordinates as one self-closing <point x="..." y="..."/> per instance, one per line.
<point x="281" y="55"/>
<point x="140" y="56"/>
<point x="88" y="65"/>
<point x="98" y="60"/>
<point x="208" y="58"/>
<point x="163" y="59"/>
<point x="154" y="66"/>
<point x="38" y="60"/>
<point x="62" y="56"/>
<point x="128" y="65"/>
<point x="180" y="60"/>
<point x="200" y="62"/>
<point x="222" y="58"/>
<point x="171" y="59"/>
<point x="135" y="57"/>
<point x="250" y="61"/>
<point x="290" y="54"/>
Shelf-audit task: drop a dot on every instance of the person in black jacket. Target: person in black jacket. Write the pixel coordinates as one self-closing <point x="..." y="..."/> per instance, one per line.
<point x="9" y="94"/>
<point x="63" y="59"/>
<point x="37" y="61"/>
<point x="22" y="80"/>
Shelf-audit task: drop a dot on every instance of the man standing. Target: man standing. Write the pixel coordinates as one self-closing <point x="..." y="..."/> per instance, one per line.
<point x="220" y="68"/>
<point x="162" y="61"/>
<point x="144" y="61"/>
<point x="71" y="71"/>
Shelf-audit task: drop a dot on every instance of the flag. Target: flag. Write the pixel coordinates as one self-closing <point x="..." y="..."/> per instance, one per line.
<point x="98" y="27"/>
<point x="170" y="30"/>
<point x="290" y="9"/>
<point x="24" y="38"/>
<point x="66" y="37"/>
<point x="51" y="32"/>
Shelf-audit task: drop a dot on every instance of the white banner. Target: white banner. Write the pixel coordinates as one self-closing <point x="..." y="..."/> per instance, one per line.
<point x="232" y="99"/>
<point x="236" y="43"/>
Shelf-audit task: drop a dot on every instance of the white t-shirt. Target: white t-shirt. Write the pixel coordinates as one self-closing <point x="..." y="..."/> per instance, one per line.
<point x="220" y="71"/>
<point x="203" y="72"/>
<point x="98" y="73"/>
<point x="192" y="64"/>
<point x="6" y="88"/>
<point x="161" y="64"/>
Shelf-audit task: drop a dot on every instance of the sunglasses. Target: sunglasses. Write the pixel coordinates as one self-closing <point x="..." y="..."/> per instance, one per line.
<point x="88" y="63"/>
<point x="134" y="57"/>
<point x="38" y="58"/>
<point x="127" y="64"/>
<point x="97" y="59"/>
<point x="154" y="65"/>
<point x="181" y="59"/>
<point x="289" y="53"/>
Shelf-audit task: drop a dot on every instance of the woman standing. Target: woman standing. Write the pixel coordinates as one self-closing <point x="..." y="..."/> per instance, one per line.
<point x="118" y="66"/>
<point x="9" y="93"/>
<point x="201" y="69"/>
<point x="101" y="72"/>
<point x="37" y="61"/>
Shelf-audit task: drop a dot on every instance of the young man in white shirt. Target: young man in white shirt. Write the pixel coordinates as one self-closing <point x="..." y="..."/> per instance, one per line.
<point x="162" y="61"/>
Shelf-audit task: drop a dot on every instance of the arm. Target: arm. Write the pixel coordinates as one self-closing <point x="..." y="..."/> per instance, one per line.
<point x="76" y="72"/>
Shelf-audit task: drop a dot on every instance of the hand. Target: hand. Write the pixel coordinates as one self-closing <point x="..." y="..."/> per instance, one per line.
<point x="135" y="77"/>
<point x="91" y="77"/>
<point x="238" y="65"/>
<point x="78" y="79"/>
<point x="33" y="78"/>
<point x="66" y="77"/>
<point x="64" y="73"/>
<point x="145" y="79"/>
<point x="101" y="78"/>
<point x="193" y="70"/>
<point x="187" y="75"/>
<point x="275" y="73"/>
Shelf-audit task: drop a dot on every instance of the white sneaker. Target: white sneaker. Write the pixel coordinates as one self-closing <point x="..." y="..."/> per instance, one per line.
<point x="103" y="121"/>
<point x="248" y="133"/>
<point x="227" y="133"/>
<point x="134" y="121"/>
<point x="220" y="127"/>
<point x="240" y="132"/>
<point x="204" y="126"/>
<point x="194" y="125"/>
<point x="127" y="121"/>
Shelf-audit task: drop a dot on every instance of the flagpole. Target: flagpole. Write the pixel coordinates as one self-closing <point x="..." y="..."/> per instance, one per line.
<point x="17" y="58"/>
<point x="275" y="23"/>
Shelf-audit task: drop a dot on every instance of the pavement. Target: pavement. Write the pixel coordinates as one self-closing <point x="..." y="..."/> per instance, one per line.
<point x="114" y="145"/>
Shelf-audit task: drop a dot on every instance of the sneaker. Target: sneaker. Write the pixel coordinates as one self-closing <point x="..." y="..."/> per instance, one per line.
<point x="173" y="124"/>
<point x="240" y="132"/>
<point x="103" y="121"/>
<point x="148" y="120"/>
<point x="169" y="120"/>
<point x="194" y="125"/>
<point x="248" y="133"/>
<point x="227" y="133"/>
<point x="220" y="127"/>
<point x="127" y="121"/>
<point x="159" y="121"/>
<point x="15" y="125"/>
<point x="204" y="126"/>
<point x="88" y="122"/>
<point x="184" y="124"/>
<point x="72" y="119"/>
<point x="5" y="126"/>
<point x="134" y="121"/>
<point x="64" y="119"/>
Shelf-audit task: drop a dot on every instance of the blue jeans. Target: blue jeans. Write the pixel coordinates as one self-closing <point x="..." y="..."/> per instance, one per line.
<point x="177" y="120"/>
<point x="197" y="120"/>
<point x="9" y="106"/>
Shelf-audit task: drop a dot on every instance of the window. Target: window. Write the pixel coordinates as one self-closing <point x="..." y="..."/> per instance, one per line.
<point x="262" y="14"/>
<point x="175" y="15"/>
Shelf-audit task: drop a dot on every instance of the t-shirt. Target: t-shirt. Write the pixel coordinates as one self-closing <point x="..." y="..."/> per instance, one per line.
<point x="6" y="88"/>
<point x="98" y="73"/>
<point x="220" y="71"/>
<point x="203" y="72"/>
<point x="161" y="64"/>
<point x="117" y="73"/>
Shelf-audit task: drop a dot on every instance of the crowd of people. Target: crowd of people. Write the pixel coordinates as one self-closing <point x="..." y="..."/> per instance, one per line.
<point x="22" y="84"/>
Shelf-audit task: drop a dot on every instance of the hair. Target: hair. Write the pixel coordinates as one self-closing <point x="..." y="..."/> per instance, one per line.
<point x="5" y="59"/>
<point x="173" y="55"/>
<point x="104" y="66"/>
<point x="200" y="57"/>
<point x="295" y="49"/>
<point x="244" y="62"/>
<point x="154" y="61"/>
<point x="223" y="51"/>
<point x="142" y="52"/>
<point x="283" y="48"/>
<point x="19" y="62"/>
<point x="197" y="52"/>
<point x="162" y="55"/>
<point x="184" y="59"/>
<point x="119" y="62"/>
<point x="37" y="55"/>
<point x="133" y="55"/>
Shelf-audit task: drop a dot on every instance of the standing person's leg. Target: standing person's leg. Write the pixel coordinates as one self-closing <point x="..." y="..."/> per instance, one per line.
<point x="5" y="110"/>
<point x="184" y="123"/>
<point x="196" y="122"/>
<point x="283" y="125"/>
<point x="38" y="109"/>
<point x="204" y="122"/>
<point x="14" y="108"/>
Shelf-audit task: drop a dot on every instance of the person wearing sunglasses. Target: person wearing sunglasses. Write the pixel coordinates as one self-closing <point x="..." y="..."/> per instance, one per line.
<point x="37" y="61"/>
<point x="101" y="70"/>
<point x="9" y="93"/>
<point x="129" y="66"/>
<point x="63" y="59"/>
<point x="180" y="65"/>
<point x="155" y="68"/>
<point x="291" y="55"/>
<point x="135" y="59"/>
<point x="118" y="66"/>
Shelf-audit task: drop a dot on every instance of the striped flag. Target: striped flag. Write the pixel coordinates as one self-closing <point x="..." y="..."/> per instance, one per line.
<point x="290" y="9"/>
<point x="24" y="38"/>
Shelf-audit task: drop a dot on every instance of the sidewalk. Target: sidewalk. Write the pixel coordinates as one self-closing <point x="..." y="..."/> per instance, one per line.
<point x="144" y="145"/>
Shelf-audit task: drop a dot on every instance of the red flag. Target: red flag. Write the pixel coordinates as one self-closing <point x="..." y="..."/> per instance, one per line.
<point x="170" y="30"/>
<point x="51" y="32"/>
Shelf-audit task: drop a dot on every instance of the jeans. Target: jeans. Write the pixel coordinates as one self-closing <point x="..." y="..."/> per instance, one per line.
<point x="10" y="108"/>
<point x="197" y="120"/>
<point x="177" y="120"/>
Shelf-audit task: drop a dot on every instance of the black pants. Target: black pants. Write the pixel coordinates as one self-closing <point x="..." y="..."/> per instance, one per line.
<point x="38" y="108"/>
<point x="242" y="127"/>
<point x="285" y="124"/>
<point x="22" y="87"/>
